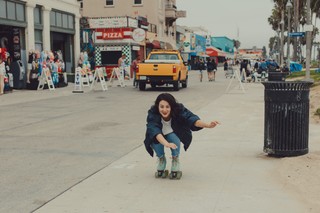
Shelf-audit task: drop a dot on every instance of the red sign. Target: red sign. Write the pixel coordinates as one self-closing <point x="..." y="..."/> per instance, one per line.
<point x="114" y="33"/>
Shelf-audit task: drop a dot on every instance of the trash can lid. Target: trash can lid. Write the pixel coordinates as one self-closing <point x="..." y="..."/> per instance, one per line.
<point x="287" y="85"/>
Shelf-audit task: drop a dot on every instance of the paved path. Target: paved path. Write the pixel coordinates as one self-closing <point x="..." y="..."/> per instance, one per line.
<point x="224" y="171"/>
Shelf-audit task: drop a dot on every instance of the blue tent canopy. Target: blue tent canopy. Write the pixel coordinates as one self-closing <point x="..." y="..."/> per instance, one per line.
<point x="295" y="67"/>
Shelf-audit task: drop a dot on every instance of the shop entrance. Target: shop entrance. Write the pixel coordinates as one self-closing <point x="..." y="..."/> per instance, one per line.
<point x="64" y="43"/>
<point x="10" y="38"/>
<point x="59" y="42"/>
<point x="6" y="37"/>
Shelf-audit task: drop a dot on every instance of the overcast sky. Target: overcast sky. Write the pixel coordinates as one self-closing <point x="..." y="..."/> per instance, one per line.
<point x="227" y="17"/>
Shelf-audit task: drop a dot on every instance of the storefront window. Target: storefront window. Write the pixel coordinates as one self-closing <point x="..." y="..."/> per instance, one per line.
<point x="3" y="11"/>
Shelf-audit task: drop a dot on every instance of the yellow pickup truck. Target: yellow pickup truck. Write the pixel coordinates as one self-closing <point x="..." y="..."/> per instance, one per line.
<point x="162" y="67"/>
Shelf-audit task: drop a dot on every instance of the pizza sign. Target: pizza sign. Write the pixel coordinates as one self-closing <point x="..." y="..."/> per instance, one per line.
<point x="112" y="35"/>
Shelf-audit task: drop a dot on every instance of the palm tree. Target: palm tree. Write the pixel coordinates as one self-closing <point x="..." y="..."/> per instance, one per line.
<point x="315" y="9"/>
<point x="300" y="18"/>
<point x="274" y="20"/>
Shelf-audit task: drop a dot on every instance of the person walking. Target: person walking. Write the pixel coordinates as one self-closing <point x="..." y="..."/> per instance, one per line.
<point x="122" y="65"/>
<point x="201" y="67"/>
<point x="169" y="124"/>
<point x="210" y="67"/>
<point x="225" y="65"/>
<point x="214" y="69"/>
<point x="2" y="69"/>
<point x="134" y="69"/>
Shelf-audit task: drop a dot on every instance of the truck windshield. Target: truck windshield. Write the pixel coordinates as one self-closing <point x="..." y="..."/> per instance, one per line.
<point x="164" y="57"/>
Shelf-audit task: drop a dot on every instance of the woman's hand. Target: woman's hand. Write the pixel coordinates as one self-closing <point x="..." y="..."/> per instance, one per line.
<point x="202" y="124"/>
<point x="212" y="124"/>
<point x="171" y="145"/>
<point x="164" y="142"/>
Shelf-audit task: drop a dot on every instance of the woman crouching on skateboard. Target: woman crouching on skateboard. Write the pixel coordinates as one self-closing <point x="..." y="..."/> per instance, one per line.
<point x="168" y="124"/>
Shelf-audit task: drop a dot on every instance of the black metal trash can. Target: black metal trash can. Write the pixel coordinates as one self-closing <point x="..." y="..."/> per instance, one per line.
<point x="277" y="76"/>
<point x="286" y="127"/>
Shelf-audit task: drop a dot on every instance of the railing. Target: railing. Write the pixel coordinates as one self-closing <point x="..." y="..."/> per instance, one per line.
<point x="171" y="6"/>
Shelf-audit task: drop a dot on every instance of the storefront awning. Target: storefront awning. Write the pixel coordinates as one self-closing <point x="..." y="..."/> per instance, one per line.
<point x="155" y="44"/>
<point x="212" y="51"/>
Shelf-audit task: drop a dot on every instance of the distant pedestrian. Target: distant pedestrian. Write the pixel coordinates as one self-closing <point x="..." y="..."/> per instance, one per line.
<point x="243" y="66"/>
<point x="214" y="69"/>
<point x="225" y="65"/>
<point x="210" y="67"/>
<point x="256" y="65"/>
<point x="2" y="69"/>
<point x="169" y="123"/>
<point x="201" y="66"/>
<point x="122" y="65"/>
<point x="134" y="69"/>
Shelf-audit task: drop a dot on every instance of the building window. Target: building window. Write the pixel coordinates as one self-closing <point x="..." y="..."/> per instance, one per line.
<point x="109" y="2"/>
<point x="58" y="19"/>
<point x="37" y="15"/>
<point x="20" y="12"/>
<point x="62" y="20"/>
<point x="70" y="22"/>
<point x="38" y="39"/>
<point x="12" y="10"/>
<point x="3" y="11"/>
<point x="137" y="2"/>
<point x="52" y="18"/>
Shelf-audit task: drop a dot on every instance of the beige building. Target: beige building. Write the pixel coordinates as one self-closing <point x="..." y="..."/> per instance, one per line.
<point x="159" y="13"/>
<point x="41" y="25"/>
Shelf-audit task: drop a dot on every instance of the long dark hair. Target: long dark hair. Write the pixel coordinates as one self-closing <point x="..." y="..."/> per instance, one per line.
<point x="175" y="106"/>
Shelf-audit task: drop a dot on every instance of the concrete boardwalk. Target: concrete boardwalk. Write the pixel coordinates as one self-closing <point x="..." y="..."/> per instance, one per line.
<point x="225" y="171"/>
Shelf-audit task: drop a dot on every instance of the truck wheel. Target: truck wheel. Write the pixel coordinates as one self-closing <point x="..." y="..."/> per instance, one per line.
<point x="185" y="83"/>
<point x="142" y="86"/>
<point x="176" y="86"/>
<point x="153" y="85"/>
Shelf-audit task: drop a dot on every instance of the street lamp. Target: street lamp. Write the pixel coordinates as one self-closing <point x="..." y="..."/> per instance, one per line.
<point x="288" y="6"/>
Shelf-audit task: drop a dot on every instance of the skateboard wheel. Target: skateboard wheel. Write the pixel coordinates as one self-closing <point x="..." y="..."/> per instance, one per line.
<point x="175" y="175"/>
<point x="165" y="174"/>
<point x="161" y="174"/>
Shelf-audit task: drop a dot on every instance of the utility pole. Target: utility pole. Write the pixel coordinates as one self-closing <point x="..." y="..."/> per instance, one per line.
<point x="289" y="6"/>
<point x="309" y="28"/>
<point x="296" y="28"/>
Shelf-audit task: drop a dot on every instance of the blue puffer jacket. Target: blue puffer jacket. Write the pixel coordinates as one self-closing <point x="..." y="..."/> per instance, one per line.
<point x="182" y="125"/>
